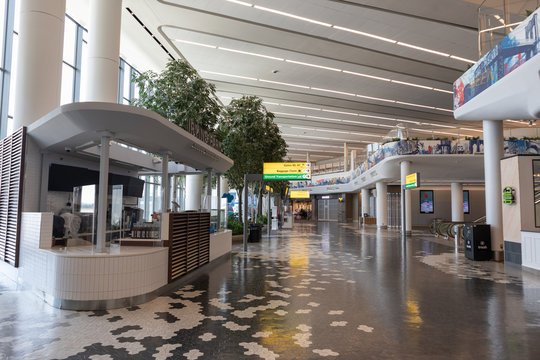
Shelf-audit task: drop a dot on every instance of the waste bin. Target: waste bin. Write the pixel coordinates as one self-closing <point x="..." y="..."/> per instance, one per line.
<point x="255" y="233"/>
<point x="477" y="241"/>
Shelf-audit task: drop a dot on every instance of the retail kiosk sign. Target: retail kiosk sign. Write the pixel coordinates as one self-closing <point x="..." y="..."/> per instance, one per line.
<point x="508" y="195"/>
<point x="287" y="171"/>
<point x="412" y="181"/>
<point x="299" y="194"/>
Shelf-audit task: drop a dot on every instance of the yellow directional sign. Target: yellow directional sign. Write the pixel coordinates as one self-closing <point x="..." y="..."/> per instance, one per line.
<point x="299" y="194"/>
<point x="412" y="181"/>
<point x="287" y="171"/>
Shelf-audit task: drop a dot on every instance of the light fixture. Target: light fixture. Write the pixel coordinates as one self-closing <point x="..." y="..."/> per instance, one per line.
<point x="357" y="32"/>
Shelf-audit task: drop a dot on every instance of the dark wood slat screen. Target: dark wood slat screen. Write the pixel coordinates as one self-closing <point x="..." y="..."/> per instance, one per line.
<point x="12" y="151"/>
<point x="189" y="245"/>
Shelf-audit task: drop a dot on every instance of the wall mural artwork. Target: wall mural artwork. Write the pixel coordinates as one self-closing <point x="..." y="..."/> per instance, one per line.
<point x="418" y="147"/>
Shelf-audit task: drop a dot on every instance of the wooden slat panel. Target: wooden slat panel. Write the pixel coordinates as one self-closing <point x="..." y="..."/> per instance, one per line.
<point x="12" y="151"/>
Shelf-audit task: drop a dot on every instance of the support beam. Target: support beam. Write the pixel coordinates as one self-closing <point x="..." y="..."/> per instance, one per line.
<point x="456" y="191"/>
<point x="365" y="202"/>
<point x="103" y="50"/>
<point x="406" y="220"/>
<point x="39" y="72"/>
<point x="218" y="192"/>
<point x="382" y="206"/>
<point x="208" y="204"/>
<point x="102" y="193"/>
<point x="165" y="188"/>
<point x="493" y="153"/>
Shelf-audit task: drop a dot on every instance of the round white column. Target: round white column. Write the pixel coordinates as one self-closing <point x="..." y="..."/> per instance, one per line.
<point x="493" y="153"/>
<point x="457" y="201"/>
<point x="194" y="185"/>
<point x="353" y="159"/>
<point x="382" y="216"/>
<point x="365" y="202"/>
<point x="103" y="50"/>
<point x="39" y="64"/>
<point x="345" y="157"/>
<point x="406" y="170"/>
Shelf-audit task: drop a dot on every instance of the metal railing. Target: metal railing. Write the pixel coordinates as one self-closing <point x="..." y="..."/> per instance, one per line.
<point x="451" y="229"/>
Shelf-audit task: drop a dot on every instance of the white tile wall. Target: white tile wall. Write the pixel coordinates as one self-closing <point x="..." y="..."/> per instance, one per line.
<point x="98" y="277"/>
<point x="530" y="249"/>
<point x="220" y="244"/>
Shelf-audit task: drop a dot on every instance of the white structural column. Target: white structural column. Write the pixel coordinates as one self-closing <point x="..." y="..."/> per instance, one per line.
<point x="493" y="153"/>
<point x="225" y="189"/>
<point x="456" y="191"/>
<point x="382" y="206"/>
<point x="165" y="186"/>
<point x="208" y="204"/>
<point x="353" y="158"/>
<point x="406" y="170"/>
<point x="218" y="194"/>
<point x="102" y="192"/>
<point x="193" y="191"/>
<point x="39" y="63"/>
<point x="103" y="50"/>
<point x="345" y="157"/>
<point x="365" y="201"/>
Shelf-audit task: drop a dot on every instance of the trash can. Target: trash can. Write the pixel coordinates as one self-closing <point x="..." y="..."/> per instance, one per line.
<point x="255" y="233"/>
<point x="477" y="241"/>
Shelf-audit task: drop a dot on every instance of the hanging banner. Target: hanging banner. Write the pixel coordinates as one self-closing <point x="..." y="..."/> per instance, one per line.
<point x="513" y="51"/>
<point x="287" y="171"/>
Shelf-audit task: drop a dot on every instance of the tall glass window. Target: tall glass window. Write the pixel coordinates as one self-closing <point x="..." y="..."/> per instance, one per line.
<point x="127" y="89"/>
<point x="72" y="61"/>
<point x="7" y="14"/>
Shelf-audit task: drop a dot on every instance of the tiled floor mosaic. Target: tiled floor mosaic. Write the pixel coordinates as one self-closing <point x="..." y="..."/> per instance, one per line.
<point x="319" y="291"/>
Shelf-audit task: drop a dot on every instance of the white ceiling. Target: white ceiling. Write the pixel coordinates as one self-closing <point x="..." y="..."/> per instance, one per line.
<point x="332" y="85"/>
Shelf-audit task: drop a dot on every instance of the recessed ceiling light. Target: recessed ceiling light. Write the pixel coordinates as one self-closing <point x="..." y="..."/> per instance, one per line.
<point x="251" y="53"/>
<point x="292" y="15"/>
<point x="284" y="83"/>
<point x="228" y="75"/>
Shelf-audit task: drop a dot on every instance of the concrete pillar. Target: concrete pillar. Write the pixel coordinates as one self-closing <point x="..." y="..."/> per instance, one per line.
<point x="345" y="157"/>
<point x="493" y="153"/>
<point x="103" y="193"/>
<point x="307" y="157"/>
<point x="208" y="204"/>
<point x="165" y="187"/>
<point x="457" y="201"/>
<point x="353" y="159"/>
<point x="39" y="64"/>
<point x="406" y="170"/>
<point x="382" y="206"/>
<point x="355" y="198"/>
<point x="225" y="189"/>
<point x="218" y="194"/>
<point x="193" y="191"/>
<point x="365" y="202"/>
<point x="103" y="50"/>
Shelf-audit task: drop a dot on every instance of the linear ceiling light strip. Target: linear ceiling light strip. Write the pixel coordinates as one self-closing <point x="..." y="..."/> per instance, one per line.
<point x="327" y="90"/>
<point x="357" y="32"/>
<point x="302" y="63"/>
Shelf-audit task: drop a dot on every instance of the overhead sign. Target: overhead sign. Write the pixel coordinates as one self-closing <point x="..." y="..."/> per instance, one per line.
<point x="299" y="194"/>
<point x="412" y="181"/>
<point x="287" y="171"/>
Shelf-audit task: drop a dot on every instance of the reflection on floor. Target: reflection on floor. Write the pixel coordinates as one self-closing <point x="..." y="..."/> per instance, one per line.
<point x="319" y="291"/>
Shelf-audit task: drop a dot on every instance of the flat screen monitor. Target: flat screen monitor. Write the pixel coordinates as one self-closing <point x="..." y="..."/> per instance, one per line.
<point x="426" y="201"/>
<point x="466" y="205"/>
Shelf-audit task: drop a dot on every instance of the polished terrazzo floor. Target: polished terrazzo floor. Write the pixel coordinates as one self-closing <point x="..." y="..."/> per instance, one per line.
<point x="319" y="291"/>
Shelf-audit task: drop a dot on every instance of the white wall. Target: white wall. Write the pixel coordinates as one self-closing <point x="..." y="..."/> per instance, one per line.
<point x="442" y="208"/>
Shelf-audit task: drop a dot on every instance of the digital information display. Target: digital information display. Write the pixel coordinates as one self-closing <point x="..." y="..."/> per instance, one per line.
<point x="287" y="171"/>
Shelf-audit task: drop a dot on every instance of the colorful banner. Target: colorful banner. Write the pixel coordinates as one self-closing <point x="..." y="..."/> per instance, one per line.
<point x="513" y="51"/>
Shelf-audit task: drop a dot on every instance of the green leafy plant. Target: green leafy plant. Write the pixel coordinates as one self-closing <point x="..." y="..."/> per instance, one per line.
<point x="249" y="137"/>
<point x="178" y="94"/>
<point x="262" y="219"/>
<point x="234" y="224"/>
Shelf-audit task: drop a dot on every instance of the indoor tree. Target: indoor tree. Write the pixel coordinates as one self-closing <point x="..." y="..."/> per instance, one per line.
<point x="179" y="94"/>
<point x="249" y="137"/>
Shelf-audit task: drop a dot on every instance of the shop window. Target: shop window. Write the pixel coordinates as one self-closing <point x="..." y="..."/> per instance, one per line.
<point x="536" y="186"/>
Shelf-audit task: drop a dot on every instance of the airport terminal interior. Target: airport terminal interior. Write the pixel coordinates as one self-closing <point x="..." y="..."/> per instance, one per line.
<point x="286" y="179"/>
